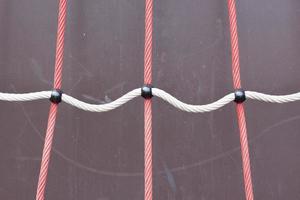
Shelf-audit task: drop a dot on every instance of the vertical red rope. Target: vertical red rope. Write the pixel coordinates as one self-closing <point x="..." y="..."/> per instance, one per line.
<point x="40" y="195"/>
<point x="240" y="108"/>
<point x="148" y="103"/>
<point x="60" y="43"/>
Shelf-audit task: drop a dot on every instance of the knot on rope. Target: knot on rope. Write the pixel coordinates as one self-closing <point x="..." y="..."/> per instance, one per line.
<point x="147" y="91"/>
<point x="239" y="96"/>
<point x="56" y="95"/>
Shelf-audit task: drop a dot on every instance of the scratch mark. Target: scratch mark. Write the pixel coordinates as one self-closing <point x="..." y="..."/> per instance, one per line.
<point x="87" y="72"/>
<point x="116" y="87"/>
<point x="88" y="97"/>
<point x="106" y="98"/>
<point x="75" y="84"/>
<point x="231" y="151"/>
<point x="22" y="131"/>
<point x="170" y="177"/>
<point x="206" y="161"/>
<point x="98" y="101"/>
<point x="37" y="70"/>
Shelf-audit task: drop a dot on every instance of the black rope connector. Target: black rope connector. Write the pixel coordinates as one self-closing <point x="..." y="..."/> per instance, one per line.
<point x="239" y="96"/>
<point x="147" y="91"/>
<point x="56" y="95"/>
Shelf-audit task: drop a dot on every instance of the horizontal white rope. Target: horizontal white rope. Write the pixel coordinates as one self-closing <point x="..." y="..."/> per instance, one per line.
<point x="102" y="107"/>
<point x="193" y="108"/>
<point x="272" y="98"/>
<point x="156" y="92"/>
<point x="25" y="96"/>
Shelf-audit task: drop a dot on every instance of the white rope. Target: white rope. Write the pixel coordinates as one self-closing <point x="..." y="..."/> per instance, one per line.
<point x="272" y="98"/>
<point x="193" y="108"/>
<point x="103" y="107"/>
<point x="156" y="92"/>
<point x="25" y="97"/>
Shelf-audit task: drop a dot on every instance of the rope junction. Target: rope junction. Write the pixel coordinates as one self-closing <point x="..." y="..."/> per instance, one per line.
<point x="231" y="97"/>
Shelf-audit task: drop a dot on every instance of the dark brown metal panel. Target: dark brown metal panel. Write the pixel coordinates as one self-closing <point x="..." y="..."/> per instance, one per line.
<point x="196" y="156"/>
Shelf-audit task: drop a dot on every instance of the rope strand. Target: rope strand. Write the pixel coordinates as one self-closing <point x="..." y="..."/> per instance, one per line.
<point x="40" y="195"/>
<point x="148" y="102"/>
<point x="240" y="108"/>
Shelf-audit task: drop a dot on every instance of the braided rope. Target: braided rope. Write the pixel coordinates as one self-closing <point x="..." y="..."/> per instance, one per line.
<point x="240" y="108"/>
<point x="40" y="195"/>
<point x="280" y="99"/>
<point x="148" y="182"/>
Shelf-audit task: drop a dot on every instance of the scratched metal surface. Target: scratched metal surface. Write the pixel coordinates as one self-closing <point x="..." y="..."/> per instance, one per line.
<point x="196" y="156"/>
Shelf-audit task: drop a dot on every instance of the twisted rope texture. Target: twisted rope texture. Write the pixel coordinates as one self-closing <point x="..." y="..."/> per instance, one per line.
<point x="40" y="195"/>
<point x="240" y="108"/>
<point x="193" y="108"/>
<point x="104" y="107"/>
<point x="148" y="182"/>
<point x="60" y="43"/>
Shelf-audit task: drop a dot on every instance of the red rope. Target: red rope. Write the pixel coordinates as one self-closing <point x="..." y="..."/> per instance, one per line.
<point x="240" y="108"/>
<point x="60" y="42"/>
<point x="148" y="103"/>
<point x="40" y="195"/>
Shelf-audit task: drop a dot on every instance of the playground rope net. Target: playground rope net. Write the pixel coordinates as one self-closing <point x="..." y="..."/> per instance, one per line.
<point x="147" y="91"/>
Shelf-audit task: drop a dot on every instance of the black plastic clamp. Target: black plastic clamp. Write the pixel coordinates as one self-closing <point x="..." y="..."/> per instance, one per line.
<point x="56" y="95"/>
<point x="147" y="91"/>
<point x="239" y="96"/>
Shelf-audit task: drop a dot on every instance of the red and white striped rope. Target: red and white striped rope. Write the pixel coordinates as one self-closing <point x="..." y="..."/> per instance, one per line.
<point x="240" y="108"/>
<point x="148" y="169"/>
<point x="40" y="195"/>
